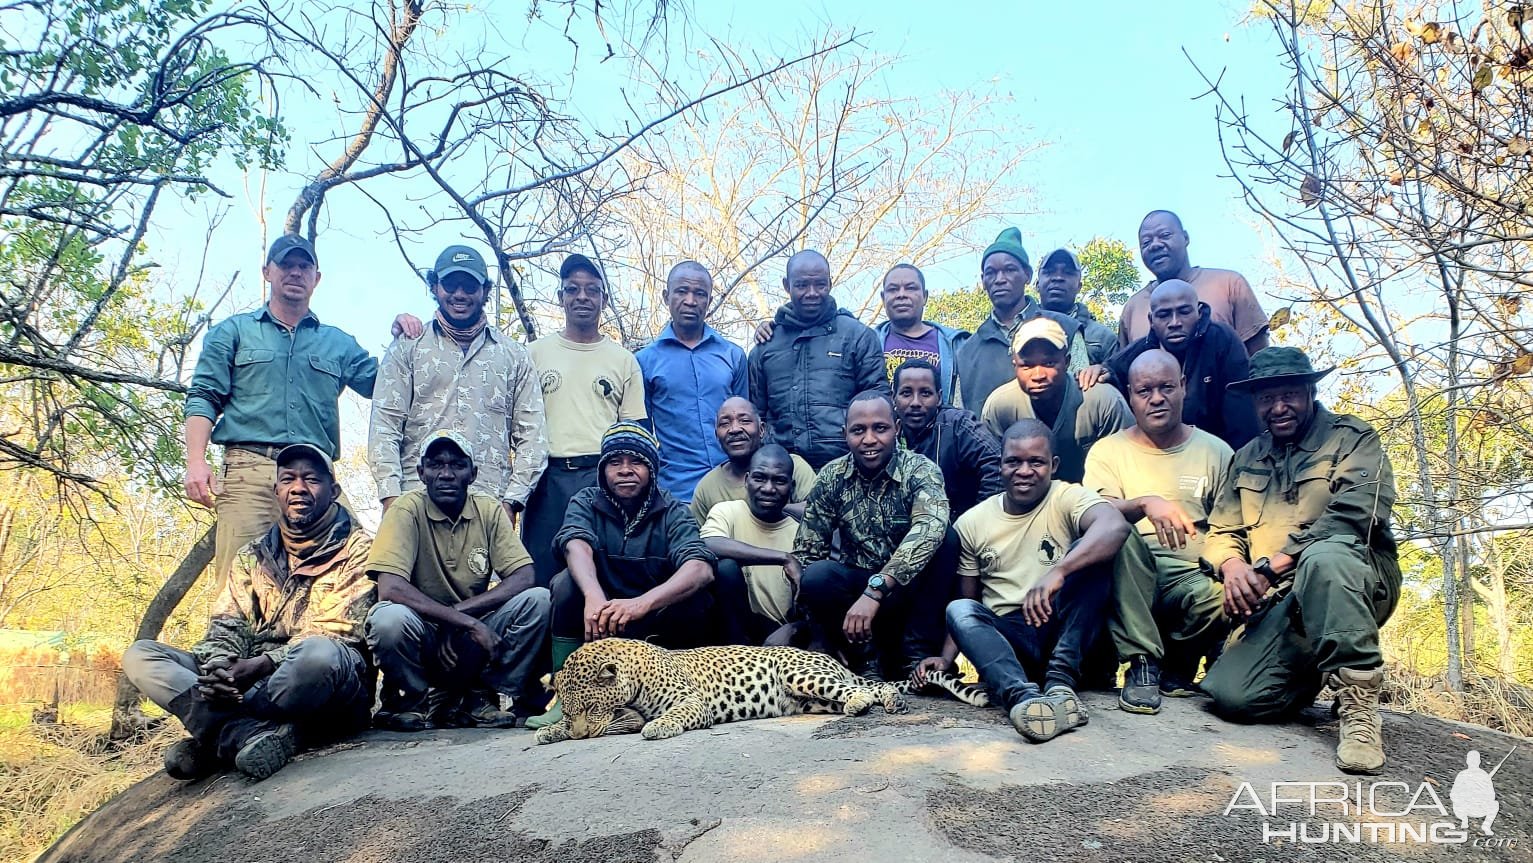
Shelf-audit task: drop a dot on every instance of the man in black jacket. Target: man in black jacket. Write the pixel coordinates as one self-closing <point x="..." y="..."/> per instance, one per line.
<point x="817" y="358"/>
<point x="952" y="437"/>
<point x="1211" y="356"/>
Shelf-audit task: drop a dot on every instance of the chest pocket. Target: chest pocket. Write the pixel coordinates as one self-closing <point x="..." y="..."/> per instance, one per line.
<point x="253" y="371"/>
<point x="1311" y="491"/>
<point x="1253" y="494"/>
<point x="831" y="369"/>
<point x="329" y="372"/>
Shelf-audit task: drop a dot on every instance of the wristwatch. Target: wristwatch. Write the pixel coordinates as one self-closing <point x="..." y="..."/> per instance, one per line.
<point x="1264" y="567"/>
<point x="878" y="583"/>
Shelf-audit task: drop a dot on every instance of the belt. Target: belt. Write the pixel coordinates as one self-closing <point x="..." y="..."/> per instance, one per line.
<point x="261" y="449"/>
<point x="574" y="462"/>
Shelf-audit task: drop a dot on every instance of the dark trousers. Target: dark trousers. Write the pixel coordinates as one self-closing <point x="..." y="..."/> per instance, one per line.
<point x="738" y="623"/>
<point x="689" y="623"/>
<point x="908" y="626"/>
<point x="1015" y="658"/>
<point x="545" y="511"/>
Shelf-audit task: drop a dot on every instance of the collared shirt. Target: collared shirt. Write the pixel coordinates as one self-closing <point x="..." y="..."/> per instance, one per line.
<point x="448" y="559"/>
<point x="490" y="394"/>
<point x="1335" y="481"/>
<point x="892" y="522"/>
<point x="268" y="604"/>
<point x="683" y="388"/>
<point x="261" y="383"/>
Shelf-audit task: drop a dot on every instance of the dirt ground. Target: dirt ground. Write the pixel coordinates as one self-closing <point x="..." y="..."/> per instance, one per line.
<point x="943" y="782"/>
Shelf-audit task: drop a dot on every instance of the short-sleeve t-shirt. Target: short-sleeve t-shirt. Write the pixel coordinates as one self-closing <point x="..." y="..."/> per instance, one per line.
<point x="587" y="386"/>
<point x="771" y="593"/>
<point x="1011" y="553"/>
<point x="1188" y="475"/>
<point x="899" y="348"/>
<point x="717" y="486"/>
<point x="447" y="560"/>
<point x="1230" y="302"/>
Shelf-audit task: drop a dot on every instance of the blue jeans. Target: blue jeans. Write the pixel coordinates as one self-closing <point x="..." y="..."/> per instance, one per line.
<point x="1014" y="657"/>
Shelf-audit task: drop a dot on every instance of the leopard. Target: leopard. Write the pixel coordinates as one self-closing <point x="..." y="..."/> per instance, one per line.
<point x="621" y="685"/>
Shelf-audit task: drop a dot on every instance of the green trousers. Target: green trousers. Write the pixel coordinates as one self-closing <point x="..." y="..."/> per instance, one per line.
<point x="1342" y="593"/>
<point x="1156" y="599"/>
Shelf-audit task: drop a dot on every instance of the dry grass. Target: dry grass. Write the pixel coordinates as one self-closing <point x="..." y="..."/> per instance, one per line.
<point x="53" y="775"/>
<point x="1493" y="702"/>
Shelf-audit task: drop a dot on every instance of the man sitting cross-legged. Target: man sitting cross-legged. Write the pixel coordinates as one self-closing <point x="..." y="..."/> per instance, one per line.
<point x="757" y="574"/>
<point x="283" y="650"/>
<point x="1163" y="475"/>
<point x="895" y="571"/>
<point x="441" y="629"/>
<point x="634" y="564"/>
<point x="737" y="426"/>
<point x="1035" y="574"/>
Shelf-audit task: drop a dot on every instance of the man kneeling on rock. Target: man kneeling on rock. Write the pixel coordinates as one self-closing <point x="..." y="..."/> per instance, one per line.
<point x="1036" y="575"/>
<point x="282" y="662"/>
<point x="448" y="642"/>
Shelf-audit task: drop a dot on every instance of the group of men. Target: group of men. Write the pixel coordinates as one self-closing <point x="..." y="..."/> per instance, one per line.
<point x="1049" y="498"/>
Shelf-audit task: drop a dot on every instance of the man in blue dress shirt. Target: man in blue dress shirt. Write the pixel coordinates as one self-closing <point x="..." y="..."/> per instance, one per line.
<point x="689" y="370"/>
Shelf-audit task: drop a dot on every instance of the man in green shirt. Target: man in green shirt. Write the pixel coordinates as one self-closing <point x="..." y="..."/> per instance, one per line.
<point x="886" y="591"/>
<point x="440" y="624"/>
<point x="1301" y="535"/>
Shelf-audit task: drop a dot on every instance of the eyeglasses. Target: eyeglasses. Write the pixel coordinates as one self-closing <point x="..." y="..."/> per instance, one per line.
<point x="582" y="290"/>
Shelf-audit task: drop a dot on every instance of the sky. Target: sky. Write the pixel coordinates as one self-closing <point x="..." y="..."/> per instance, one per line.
<point x="1105" y="84"/>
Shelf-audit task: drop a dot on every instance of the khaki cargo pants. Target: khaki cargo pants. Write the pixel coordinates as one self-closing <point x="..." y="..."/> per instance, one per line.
<point x="246" y="508"/>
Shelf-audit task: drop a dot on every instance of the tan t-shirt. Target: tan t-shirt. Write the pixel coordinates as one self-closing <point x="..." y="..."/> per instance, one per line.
<point x="587" y="386"/>
<point x="1011" y="553"/>
<point x="717" y="486"/>
<point x="771" y="593"/>
<point x="447" y="560"/>
<point x="1188" y="475"/>
<point x="1229" y="297"/>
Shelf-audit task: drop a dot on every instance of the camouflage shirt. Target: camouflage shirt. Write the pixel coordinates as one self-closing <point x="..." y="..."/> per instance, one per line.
<point x="1335" y="481"/>
<point x="891" y="523"/>
<point x="490" y="394"/>
<point x="269" y="606"/>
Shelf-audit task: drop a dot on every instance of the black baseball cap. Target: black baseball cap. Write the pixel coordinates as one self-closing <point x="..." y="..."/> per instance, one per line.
<point x="578" y="262"/>
<point x="287" y="243"/>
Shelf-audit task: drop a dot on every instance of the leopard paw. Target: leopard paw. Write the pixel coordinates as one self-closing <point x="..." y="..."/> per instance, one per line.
<point x="660" y="730"/>
<point x="858" y="703"/>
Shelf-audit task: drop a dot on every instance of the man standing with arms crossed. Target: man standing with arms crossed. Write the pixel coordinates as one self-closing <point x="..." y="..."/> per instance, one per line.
<point x="266" y="379"/>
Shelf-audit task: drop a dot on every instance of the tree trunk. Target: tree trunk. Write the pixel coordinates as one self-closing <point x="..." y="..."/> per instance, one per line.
<point x="1466" y="603"/>
<point x="175" y="588"/>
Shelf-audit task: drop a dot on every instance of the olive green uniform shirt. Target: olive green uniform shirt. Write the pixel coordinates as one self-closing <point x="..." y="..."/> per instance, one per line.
<point x="1334" y="481"/>
<point x="447" y="560"/>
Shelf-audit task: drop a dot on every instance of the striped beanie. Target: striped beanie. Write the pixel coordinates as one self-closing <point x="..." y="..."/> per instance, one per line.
<point x="632" y="439"/>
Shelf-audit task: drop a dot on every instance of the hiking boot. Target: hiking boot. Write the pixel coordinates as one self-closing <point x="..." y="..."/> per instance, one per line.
<point x="1361" y="747"/>
<point x="1141" y="686"/>
<point x="1037" y="717"/>
<point x="1071" y="711"/>
<point x="405" y="720"/>
<point x="482" y="710"/>
<point x="266" y="752"/>
<point x="188" y="760"/>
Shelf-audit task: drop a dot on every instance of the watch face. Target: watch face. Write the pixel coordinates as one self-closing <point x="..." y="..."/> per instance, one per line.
<point x="876" y="582"/>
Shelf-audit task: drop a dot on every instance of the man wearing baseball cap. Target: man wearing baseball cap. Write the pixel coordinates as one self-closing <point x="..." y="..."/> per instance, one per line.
<point x="459" y="622"/>
<point x="1059" y="290"/>
<point x="1301" y="537"/>
<point x="461" y="373"/>
<point x="589" y="382"/>
<point x="1044" y="389"/>
<point x="984" y="361"/>
<point x="266" y="379"/>
<point x="283" y="662"/>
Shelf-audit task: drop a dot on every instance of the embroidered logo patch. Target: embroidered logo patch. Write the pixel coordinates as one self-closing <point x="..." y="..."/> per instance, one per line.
<point x="605" y="388"/>
<point x="1049" y="551"/>
<point x="479" y="562"/>
<point x="550" y="381"/>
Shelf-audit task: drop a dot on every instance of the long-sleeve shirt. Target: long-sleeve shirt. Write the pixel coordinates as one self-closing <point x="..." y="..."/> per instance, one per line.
<point x="683" y="388"/>
<point x="1334" y="481"/>
<point x="261" y="383"/>
<point x="269" y="605"/>
<point x="891" y="522"/>
<point x="490" y="393"/>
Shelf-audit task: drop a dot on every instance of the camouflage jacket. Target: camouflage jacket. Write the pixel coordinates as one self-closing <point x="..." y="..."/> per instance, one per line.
<point x="1335" y="481"/>
<point x="267" y="607"/>
<point x="491" y="394"/>
<point x="891" y="523"/>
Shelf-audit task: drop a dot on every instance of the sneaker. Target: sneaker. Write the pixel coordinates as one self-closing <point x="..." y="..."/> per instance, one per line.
<point x="1037" y="717"/>
<point x="1071" y="710"/>
<point x="267" y="752"/>
<point x="188" y="760"/>
<point x="1141" y="686"/>
<point x="405" y="720"/>
<point x="482" y="710"/>
<point x="1171" y="687"/>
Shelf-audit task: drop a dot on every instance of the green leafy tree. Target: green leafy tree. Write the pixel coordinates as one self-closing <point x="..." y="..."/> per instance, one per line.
<point x="1109" y="277"/>
<point x="965" y="309"/>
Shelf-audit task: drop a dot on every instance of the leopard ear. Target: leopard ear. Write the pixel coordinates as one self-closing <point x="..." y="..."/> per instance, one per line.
<point x="608" y="673"/>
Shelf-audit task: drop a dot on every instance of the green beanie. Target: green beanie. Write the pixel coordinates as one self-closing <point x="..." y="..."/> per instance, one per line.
<point x="1010" y="242"/>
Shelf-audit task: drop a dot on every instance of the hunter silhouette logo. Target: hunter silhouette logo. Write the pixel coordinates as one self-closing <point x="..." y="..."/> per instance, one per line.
<point x="1473" y="795"/>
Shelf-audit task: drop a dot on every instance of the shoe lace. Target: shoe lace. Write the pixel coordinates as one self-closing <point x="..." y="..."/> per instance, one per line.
<point x="1359" y="720"/>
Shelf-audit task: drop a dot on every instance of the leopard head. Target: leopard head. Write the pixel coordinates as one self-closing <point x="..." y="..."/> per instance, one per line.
<point x="595" y="687"/>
